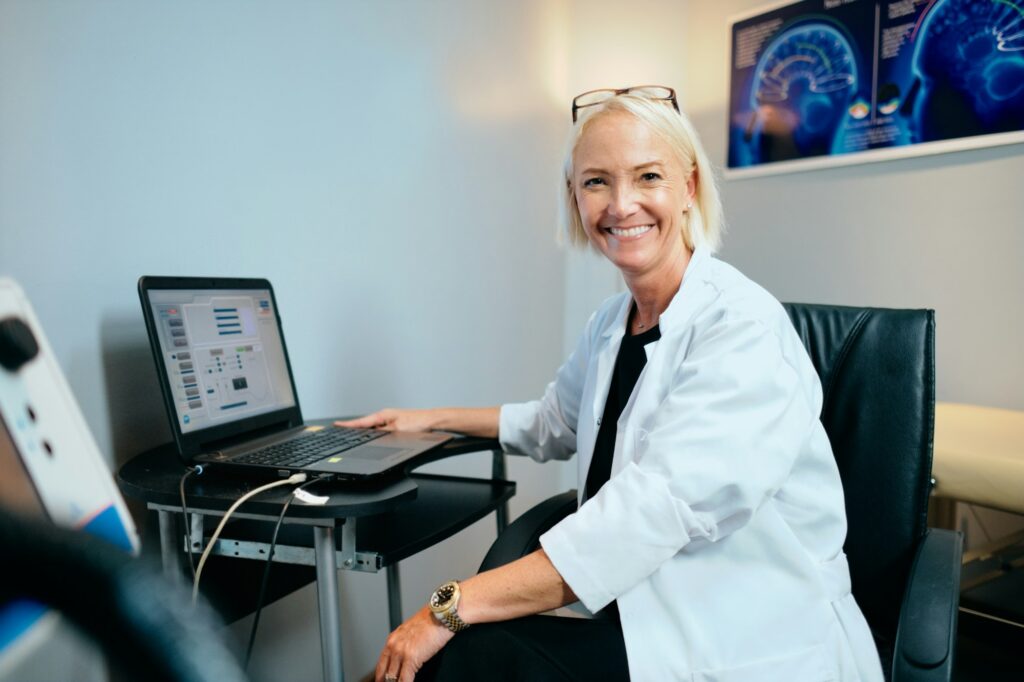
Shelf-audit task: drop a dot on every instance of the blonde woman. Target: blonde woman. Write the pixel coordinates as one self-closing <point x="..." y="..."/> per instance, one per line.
<point x="709" y="535"/>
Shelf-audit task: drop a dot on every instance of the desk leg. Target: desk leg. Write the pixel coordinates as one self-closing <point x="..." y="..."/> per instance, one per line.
<point x="329" y="606"/>
<point x="498" y="472"/>
<point x="394" y="596"/>
<point x="170" y="546"/>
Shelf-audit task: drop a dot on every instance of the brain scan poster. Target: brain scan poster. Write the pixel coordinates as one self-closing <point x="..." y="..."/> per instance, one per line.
<point x="827" y="82"/>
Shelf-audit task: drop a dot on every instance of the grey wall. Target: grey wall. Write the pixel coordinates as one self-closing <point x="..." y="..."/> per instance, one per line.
<point x="940" y="232"/>
<point x="389" y="166"/>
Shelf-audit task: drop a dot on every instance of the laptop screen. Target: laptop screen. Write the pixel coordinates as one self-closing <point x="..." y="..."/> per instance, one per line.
<point x="223" y="354"/>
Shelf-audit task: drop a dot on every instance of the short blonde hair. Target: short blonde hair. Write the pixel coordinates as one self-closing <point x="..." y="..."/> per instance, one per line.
<point x="704" y="224"/>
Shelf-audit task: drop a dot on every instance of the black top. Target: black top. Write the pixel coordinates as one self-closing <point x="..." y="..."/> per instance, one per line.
<point x="630" y="362"/>
<point x="628" y="365"/>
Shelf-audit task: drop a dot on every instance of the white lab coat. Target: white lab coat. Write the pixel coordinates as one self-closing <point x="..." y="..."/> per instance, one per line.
<point x="720" y="532"/>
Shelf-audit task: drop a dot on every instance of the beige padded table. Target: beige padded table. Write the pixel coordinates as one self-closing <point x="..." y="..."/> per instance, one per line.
<point x="979" y="455"/>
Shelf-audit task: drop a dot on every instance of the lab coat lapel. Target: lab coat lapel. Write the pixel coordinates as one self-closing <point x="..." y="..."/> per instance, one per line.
<point x="600" y="381"/>
<point x="647" y="394"/>
<point x="627" y="424"/>
<point x="673" y="321"/>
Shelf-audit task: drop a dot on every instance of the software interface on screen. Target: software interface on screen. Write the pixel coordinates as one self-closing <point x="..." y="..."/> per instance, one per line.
<point x="223" y="355"/>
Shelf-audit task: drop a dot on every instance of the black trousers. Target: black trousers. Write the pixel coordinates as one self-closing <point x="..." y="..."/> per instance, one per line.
<point x="533" y="649"/>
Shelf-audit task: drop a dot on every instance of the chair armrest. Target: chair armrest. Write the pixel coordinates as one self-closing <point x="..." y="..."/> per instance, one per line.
<point x="522" y="536"/>
<point x="926" y="636"/>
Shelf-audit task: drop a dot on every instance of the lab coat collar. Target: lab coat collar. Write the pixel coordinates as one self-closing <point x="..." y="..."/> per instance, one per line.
<point x="681" y="306"/>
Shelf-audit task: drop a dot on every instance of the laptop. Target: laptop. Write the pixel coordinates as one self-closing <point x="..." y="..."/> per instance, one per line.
<point x="227" y="385"/>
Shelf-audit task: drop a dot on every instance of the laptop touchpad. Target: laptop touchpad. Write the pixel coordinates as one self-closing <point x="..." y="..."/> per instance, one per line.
<point x="375" y="452"/>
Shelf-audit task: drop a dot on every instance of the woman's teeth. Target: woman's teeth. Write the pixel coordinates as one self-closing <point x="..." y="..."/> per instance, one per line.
<point x="630" y="231"/>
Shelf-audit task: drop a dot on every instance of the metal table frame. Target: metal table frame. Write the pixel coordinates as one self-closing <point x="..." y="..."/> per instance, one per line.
<point x="324" y="555"/>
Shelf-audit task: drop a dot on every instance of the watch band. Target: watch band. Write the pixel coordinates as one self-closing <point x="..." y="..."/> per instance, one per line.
<point x="444" y="603"/>
<point x="451" y="620"/>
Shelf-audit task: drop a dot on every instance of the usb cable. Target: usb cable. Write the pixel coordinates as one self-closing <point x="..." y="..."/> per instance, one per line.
<point x="291" y="480"/>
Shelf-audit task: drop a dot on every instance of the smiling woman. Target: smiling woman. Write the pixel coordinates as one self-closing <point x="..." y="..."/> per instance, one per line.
<point x="678" y="143"/>
<point x="639" y="189"/>
<point x="633" y="196"/>
<point x="709" y="533"/>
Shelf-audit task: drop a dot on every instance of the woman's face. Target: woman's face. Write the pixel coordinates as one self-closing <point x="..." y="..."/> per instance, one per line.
<point x="632" y="193"/>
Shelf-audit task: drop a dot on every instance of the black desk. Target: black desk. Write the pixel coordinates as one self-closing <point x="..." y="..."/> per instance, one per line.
<point x="380" y="524"/>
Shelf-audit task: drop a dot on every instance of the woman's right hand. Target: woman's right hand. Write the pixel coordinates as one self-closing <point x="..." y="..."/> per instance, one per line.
<point x="391" y="419"/>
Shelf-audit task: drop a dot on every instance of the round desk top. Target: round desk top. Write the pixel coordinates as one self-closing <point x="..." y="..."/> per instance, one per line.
<point x="154" y="477"/>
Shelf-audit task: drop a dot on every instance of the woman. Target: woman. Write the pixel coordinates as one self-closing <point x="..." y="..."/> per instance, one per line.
<point x="711" y="524"/>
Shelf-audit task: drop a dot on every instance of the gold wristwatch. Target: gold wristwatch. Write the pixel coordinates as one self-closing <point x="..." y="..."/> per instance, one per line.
<point x="444" y="603"/>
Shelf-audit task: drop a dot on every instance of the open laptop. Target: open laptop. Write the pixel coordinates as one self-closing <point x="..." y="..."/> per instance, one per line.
<point x="227" y="384"/>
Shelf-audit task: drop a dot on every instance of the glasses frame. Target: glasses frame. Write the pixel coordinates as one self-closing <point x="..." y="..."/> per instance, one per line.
<point x="615" y="92"/>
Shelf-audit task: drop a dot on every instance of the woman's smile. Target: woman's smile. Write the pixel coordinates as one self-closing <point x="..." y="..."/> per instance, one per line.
<point x="628" y="233"/>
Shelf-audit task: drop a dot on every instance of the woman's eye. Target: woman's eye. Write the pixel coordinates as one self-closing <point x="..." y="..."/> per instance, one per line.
<point x="593" y="182"/>
<point x="650" y="177"/>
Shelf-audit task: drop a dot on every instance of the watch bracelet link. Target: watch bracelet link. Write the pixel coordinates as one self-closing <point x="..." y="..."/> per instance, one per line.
<point x="452" y="621"/>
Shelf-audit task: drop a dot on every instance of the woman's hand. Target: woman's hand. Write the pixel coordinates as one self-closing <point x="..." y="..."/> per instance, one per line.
<point x="414" y="643"/>
<point x="471" y="421"/>
<point x="390" y="419"/>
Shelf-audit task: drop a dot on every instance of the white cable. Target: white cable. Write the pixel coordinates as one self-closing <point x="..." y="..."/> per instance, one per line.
<point x="291" y="480"/>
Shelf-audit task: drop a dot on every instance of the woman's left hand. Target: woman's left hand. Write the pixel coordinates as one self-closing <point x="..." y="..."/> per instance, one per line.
<point x="411" y="645"/>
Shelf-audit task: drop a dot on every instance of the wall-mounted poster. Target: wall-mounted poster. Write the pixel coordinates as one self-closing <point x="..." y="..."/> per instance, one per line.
<point x="827" y="82"/>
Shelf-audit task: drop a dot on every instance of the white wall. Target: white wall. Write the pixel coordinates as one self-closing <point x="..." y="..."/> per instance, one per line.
<point x="389" y="166"/>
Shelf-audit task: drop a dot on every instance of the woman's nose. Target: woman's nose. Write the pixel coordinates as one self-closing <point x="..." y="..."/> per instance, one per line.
<point x="623" y="201"/>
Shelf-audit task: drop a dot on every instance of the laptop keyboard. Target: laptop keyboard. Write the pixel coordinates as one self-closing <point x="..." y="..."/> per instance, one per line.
<point x="309" y="447"/>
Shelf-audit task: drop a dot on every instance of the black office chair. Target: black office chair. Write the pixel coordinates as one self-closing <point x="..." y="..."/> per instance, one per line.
<point x="147" y="626"/>
<point x="877" y="369"/>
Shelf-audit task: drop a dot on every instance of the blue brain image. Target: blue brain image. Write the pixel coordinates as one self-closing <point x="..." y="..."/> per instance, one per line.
<point x="802" y="87"/>
<point x="969" y="70"/>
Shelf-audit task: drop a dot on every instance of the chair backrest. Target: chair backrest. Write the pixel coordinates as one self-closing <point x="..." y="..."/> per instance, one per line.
<point x="877" y="369"/>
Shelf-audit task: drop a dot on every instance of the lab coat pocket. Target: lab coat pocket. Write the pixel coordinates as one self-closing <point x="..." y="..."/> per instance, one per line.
<point x="808" y="665"/>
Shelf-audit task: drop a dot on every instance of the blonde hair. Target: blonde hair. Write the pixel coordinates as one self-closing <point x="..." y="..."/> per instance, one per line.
<point x="704" y="223"/>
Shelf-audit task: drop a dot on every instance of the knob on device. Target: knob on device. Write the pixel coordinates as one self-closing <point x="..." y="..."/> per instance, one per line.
<point x="17" y="344"/>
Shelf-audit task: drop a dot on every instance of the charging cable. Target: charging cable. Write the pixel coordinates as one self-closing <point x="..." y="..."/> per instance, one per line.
<point x="197" y="470"/>
<point x="291" y="480"/>
<point x="299" y="490"/>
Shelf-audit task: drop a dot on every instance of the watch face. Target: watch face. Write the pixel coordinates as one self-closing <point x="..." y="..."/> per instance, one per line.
<point x="443" y="596"/>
